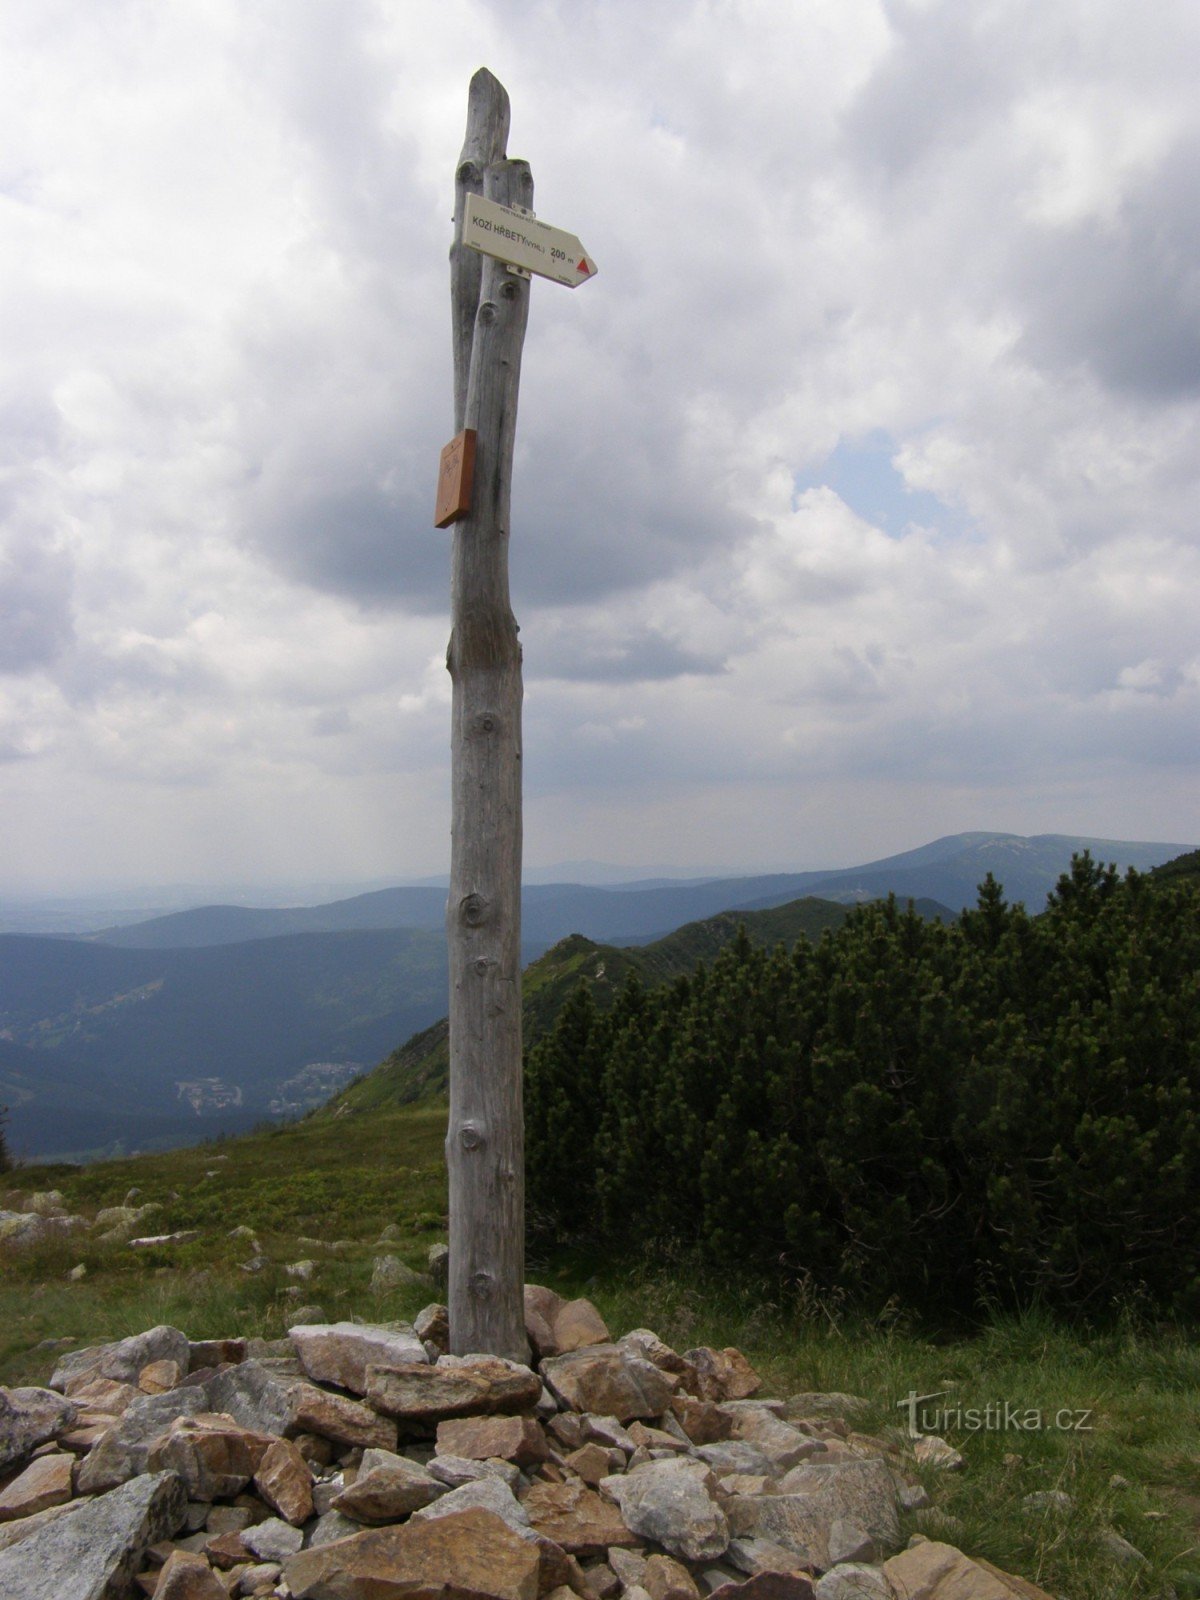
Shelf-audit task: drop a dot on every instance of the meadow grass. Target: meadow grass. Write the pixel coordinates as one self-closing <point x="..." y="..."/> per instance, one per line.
<point x="324" y="1190"/>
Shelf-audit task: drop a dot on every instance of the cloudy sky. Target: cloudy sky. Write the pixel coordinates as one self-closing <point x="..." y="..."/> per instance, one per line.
<point x="855" y="499"/>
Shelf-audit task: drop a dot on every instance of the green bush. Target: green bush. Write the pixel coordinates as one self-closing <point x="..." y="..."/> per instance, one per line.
<point x="997" y="1112"/>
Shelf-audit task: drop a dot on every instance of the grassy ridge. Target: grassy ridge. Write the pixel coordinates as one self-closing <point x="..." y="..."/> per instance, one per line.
<point x="323" y="1190"/>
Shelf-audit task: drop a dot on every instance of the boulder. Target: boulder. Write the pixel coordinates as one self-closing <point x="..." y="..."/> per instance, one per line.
<point x="340" y="1352"/>
<point x="472" y="1553"/>
<point x="392" y="1273"/>
<point x="284" y="1480"/>
<point x="485" y="1494"/>
<point x="45" y="1482"/>
<point x="785" y="1445"/>
<point x="645" y="1342"/>
<point x="315" y="1410"/>
<point x="763" y="1555"/>
<point x="213" y="1456"/>
<point x="432" y="1326"/>
<point x="578" y="1324"/>
<point x="737" y="1456"/>
<point x="30" y="1417"/>
<point x="701" y="1420"/>
<point x="802" y="1518"/>
<point x="665" y="1579"/>
<point x="935" y="1571"/>
<point x="516" y="1439"/>
<point x="188" y="1576"/>
<point x="95" y="1547"/>
<point x="124" y="1360"/>
<point x="853" y="1580"/>
<point x="470" y="1386"/>
<point x="722" y="1374"/>
<point x="606" y="1379"/>
<point x="272" y="1540"/>
<point x="576" y="1518"/>
<point x="455" y="1471"/>
<point x="122" y="1451"/>
<point x="671" y="1502"/>
<point x="254" y="1396"/>
<point x="387" y="1489"/>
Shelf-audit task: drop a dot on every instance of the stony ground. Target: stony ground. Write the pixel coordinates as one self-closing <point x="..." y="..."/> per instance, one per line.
<point x="363" y="1461"/>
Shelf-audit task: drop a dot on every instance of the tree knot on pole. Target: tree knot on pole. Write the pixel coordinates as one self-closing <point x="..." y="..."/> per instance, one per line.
<point x="473" y="909"/>
<point x="470" y="1136"/>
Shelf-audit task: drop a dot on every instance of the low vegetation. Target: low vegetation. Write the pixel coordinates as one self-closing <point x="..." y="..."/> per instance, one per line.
<point x="1000" y="1112"/>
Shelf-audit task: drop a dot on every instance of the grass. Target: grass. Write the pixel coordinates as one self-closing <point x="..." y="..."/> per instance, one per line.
<point x="324" y="1190"/>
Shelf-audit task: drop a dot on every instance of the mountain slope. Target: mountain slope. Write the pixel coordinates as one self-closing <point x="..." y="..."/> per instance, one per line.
<point x="420" y="1067"/>
<point x="183" y="1044"/>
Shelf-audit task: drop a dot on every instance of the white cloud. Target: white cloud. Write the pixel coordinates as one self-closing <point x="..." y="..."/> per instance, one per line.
<point x="968" y="231"/>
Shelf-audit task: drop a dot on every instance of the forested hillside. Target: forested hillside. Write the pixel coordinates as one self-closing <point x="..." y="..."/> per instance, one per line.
<point x="999" y="1111"/>
<point x="420" y="1067"/>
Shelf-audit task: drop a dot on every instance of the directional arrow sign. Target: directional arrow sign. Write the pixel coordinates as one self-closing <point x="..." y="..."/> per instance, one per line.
<point x="519" y="240"/>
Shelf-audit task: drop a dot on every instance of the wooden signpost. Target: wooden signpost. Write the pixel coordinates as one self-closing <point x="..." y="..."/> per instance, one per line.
<point x="485" y="1137"/>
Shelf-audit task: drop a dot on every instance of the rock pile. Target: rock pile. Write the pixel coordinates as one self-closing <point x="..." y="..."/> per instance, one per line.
<point x="359" y="1462"/>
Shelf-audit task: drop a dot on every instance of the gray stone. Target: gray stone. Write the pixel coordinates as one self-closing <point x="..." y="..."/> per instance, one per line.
<point x="253" y="1396"/>
<point x="256" y="1578"/>
<point x="931" y="1451"/>
<point x="817" y="1496"/>
<point x="913" y="1497"/>
<point x="853" y="1581"/>
<point x="455" y="1471"/>
<point x="849" y="1542"/>
<point x="30" y="1417"/>
<point x="1120" y="1549"/>
<point x="272" y="1540"/>
<point x="629" y="1565"/>
<point x="387" y="1490"/>
<point x="123" y="1451"/>
<point x="786" y="1446"/>
<point x="672" y="1503"/>
<point x="328" y="1528"/>
<point x="125" y="1359"/>
<point x="761" y="1555"/>
<point x="341" y="1352"/>
<point x="392" y="1273"/>
<point x="439" y="1264"/>
<point x="737" y="1455"/>
<point x="95" y="1547"/>
<point x="1048" y="1500"/>
<point x="606" y="1379"/>
<point x="486" y="1494"/>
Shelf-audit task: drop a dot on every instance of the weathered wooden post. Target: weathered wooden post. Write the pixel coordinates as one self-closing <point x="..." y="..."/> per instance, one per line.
<point x="493" y="229"/>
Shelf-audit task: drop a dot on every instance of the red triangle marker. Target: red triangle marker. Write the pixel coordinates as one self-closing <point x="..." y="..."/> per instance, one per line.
<point x="584" y="268"/>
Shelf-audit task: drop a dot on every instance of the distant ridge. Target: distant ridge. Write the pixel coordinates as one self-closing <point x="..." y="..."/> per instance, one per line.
<point x="948" y="870"/>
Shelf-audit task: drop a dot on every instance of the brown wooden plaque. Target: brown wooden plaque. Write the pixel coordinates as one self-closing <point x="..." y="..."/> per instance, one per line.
<point x="456" y="475"/>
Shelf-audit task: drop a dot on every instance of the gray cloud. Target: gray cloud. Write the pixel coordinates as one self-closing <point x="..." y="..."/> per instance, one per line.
<point x="35" y="605"/>
<point x="1123" y="294"/>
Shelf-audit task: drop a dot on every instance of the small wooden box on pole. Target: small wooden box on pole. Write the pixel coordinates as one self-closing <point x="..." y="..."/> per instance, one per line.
<point x="456" y="479"/>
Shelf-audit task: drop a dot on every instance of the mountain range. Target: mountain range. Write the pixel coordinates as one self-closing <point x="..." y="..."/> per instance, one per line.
<point x="948" y="870"/>
<point x="213" y="1019"/>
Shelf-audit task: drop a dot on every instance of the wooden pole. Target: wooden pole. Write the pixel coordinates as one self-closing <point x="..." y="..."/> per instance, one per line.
<point x="485" y="1138"/>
